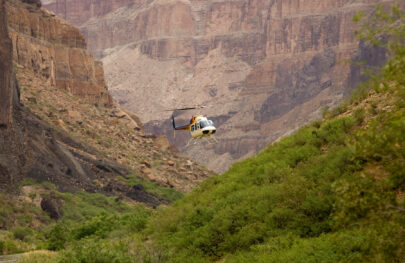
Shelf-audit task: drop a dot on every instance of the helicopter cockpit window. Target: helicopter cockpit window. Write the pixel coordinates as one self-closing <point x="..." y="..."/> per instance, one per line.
<point x="204" y="124"/>
<point x="192" y="127"/>
<point x="210" y="122"/>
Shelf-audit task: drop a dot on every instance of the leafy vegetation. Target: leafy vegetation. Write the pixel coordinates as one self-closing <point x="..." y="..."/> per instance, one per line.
<point x="85" y="216"/>
<point x="165" y="193"/>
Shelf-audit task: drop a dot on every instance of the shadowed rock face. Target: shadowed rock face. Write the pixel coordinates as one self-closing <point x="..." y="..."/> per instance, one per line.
<point x="273" y="64"/>
<point x="296" y="87"/>
<point x="11" y="145"/>
<point x="6" y="76"/>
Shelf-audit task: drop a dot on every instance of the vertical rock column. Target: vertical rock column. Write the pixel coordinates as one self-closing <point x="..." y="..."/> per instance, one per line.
<point x="8" y="158"/>
<point x="6" y="74"/>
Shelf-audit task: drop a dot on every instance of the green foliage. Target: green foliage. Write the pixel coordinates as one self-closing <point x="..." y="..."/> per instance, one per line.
<point x="11" y="247"/>
<point x="39" y="257"/>
<point x="99" y="225"/>
<point x="22" y="233"/>
<point x="347" y="246"/>
<point x="94" y="240"/>
<point x="332" y="113"/>
<point x="58" y="237"/>
<point x="286" y="189"/>
<point x="27" y="181"/>
<point x="32" y="195"/>
<point x="359" y="115"/>
<point x="164" y="193"/>
<point x="2" y="246"/>
<point x="101" y="251"/>
<point x="81" y="205"/>
<point x="386" y="28"/>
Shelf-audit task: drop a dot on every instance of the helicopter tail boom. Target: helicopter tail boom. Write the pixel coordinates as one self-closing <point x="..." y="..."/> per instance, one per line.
<point x="185" y="127"/>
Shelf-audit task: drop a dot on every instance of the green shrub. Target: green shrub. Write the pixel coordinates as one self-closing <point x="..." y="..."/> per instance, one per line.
<point x="32" y="195"/>
<point x="2" y="246"/>
<point x="98" y="225"/>
<point x="164" y="193"/>
<point x="39" y="257"/>
<point x="22" y="233"/>
<point x="81" y="205"/>
<point x="97" y="251"/>
<point x="359" y="115"/>
<point x="10" y="247"/>
<point x="24" y="219"/>
<point x="58" y="237"/>
<point x="28" y="181"/>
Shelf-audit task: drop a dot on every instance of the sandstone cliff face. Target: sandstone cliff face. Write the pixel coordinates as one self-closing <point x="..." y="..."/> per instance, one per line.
<point x="56" y="51"/>
<point x="267" y="66"/>
<point x="80" y="11"/>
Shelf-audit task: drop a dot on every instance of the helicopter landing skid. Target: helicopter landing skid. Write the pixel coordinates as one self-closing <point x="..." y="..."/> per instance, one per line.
<point x="210" y="140"/>
<point x="191" y="142"/>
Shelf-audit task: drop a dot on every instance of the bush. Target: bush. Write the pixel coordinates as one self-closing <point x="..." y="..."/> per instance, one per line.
<point x="98" y="225"/>
<point x="164" y="193"/>
<point x="39" y="257"/>
<point x="97" y="251"/>
<point x="2" y="246"/>
<point x="21" y="233"/>
<point x="359" y="115"/>
<point x="58" y="237"/>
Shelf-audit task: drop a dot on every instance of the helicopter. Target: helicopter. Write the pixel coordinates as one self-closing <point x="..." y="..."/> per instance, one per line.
<point x="199" y="126"/>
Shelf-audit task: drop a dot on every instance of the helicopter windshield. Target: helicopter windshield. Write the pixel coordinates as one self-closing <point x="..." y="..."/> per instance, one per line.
<point x="204" y="124"/>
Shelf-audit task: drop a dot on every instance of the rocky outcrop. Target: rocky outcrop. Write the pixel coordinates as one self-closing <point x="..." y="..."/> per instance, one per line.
<point x="52" y="205"/>
<point x="266" y="66"/>
<point x="6" y="76"/>
<point x="11" y="144"/>
<point x="55" y="51"/>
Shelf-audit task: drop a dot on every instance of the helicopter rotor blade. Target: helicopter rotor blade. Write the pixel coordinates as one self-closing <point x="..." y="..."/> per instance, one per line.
<point x="189" y="108"/>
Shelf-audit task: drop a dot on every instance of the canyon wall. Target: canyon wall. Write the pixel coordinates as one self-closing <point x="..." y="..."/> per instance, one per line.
<point x="265" y="66"/>
<point x="55" y="51"/>
<point x="6" y="77"/>
<point x="11" y="145"/>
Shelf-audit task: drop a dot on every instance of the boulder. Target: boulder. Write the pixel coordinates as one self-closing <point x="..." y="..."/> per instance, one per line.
<point x="52" y="205"/>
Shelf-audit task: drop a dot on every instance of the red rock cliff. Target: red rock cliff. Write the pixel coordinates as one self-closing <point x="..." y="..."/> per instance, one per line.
<point x="55" y="51"/>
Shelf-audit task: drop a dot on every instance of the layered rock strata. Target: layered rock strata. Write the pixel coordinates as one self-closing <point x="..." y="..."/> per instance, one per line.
<point x="55" y="51"/>
<point x="266" y="66"/>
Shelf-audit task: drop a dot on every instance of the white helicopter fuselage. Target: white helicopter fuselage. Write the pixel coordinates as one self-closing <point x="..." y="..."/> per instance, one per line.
<point x="202" y="127"/>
